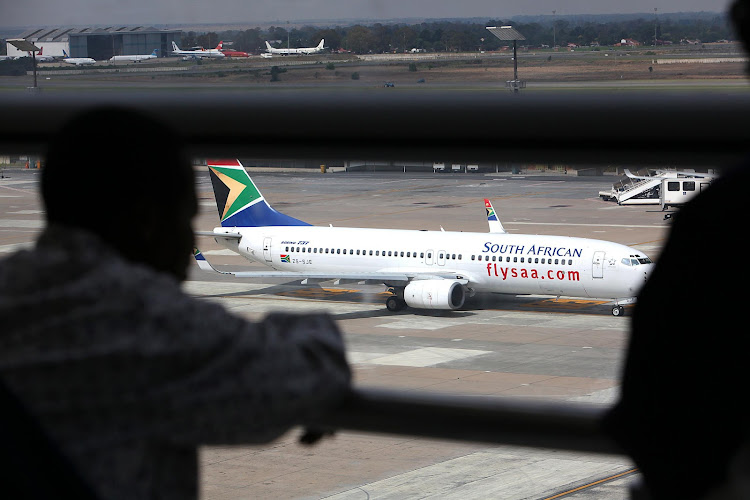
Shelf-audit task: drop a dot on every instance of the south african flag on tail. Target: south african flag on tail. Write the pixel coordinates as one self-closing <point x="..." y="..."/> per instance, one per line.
<point x="239" y="201"/>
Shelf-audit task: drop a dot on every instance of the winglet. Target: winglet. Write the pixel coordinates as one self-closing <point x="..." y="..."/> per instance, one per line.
<point x="202" y="262"/>
<point x="205" y="265"/>
<point x="494" y="223"/>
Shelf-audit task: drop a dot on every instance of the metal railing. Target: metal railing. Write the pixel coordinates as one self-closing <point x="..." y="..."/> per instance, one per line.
<point x="689" y="130"/>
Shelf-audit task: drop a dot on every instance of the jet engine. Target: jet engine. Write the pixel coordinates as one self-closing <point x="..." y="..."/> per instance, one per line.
<point x="434" y="294"/>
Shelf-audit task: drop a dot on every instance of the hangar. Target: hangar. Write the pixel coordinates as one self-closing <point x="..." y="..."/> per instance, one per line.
<point x="99" y="42"/>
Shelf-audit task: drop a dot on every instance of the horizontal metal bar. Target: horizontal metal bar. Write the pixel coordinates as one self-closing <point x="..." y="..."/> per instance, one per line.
<point x="496" y="126"/>
<point x="575" y="427"/>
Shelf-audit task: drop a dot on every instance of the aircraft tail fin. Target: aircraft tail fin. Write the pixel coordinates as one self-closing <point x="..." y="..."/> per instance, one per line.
<point x="494" y="223"/>
<point x="239" y="201"/>
<point x="175" y="48"/>
<point x="153" y="52"/>
<point x="268" y="46"/>
<point x="320" y="45"/>
<point x="65" y="54"/>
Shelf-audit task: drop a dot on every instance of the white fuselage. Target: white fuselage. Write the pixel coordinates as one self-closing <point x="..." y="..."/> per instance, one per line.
<point x="199" y="54"/>
<point x="133" y="58"/>
<point x="492" y="262"/>
<point x="79" y="61"/>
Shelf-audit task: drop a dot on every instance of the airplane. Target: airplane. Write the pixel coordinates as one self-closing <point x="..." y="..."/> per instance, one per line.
<point x="301" y="50"/>
<point x="136" y="58"/>
<point x="230" y="52"/>
<point x="78" y="61"/>
<point x="197" y="53"/>
<point x="39" y="56"/>
<point x="422" y="269"/>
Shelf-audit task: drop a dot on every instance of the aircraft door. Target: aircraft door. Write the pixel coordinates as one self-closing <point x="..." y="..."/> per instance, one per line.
<point x="598" y="265"/>
<point x="267" y="249"/>
<point x="429" y="255"/>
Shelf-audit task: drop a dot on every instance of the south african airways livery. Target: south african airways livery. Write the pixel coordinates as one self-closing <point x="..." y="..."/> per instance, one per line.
<point x="423" y="269"/>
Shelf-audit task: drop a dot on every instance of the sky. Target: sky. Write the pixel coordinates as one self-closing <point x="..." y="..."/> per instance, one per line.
<point x="147" y="12"/>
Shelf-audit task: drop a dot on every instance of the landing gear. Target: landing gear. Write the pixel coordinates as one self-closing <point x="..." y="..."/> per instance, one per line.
<point x="618" y="310"/>
<point x="394" y="304"/>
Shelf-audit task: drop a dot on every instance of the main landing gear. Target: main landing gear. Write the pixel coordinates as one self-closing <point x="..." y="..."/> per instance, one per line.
<point x="618" y="310"/>
<point x="395" y="302"/>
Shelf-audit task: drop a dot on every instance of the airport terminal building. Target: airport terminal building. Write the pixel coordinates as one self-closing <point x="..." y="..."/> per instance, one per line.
<point x="99" y="43"/>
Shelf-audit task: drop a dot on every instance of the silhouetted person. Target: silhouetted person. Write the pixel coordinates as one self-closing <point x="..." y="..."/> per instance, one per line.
<point x="128" y="374"/>
<point x="682" y="414"/>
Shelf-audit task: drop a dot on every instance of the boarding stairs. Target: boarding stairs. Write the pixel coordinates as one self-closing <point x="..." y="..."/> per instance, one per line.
<point x="639" y="192"/>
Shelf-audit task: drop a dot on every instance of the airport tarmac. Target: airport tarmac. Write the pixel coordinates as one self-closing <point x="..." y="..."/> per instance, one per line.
<point x="525" y="346"/>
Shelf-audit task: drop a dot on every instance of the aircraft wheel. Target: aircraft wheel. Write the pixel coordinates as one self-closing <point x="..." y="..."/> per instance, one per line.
<point x="618" y="311"/>
<point x="394" y="304"/>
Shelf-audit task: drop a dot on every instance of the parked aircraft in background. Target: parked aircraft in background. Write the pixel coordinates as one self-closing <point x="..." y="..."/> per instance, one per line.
<point x="301" y="50"/>
<point x="78" y="61"/>
<point x="423" y="269"/>
<point x="230" y="52"/>
<point x="197" y="53"/>
<point x="40" y="57"/>
<point x="136" y="58"/>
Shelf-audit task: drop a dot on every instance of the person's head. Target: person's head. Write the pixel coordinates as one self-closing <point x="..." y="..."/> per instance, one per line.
<point x="123" y="176"/>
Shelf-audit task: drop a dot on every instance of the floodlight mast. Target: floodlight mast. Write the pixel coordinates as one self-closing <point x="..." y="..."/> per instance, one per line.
<point x="509" y="33"/>
<point x="26" y="46"/>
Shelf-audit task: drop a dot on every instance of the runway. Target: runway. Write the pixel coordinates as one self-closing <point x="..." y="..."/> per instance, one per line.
<point x="519" y="346"/>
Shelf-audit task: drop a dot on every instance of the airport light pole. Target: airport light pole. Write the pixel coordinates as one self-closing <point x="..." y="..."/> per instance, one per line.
<point x="27" y="46"/>
<point x="554" y="31"/>
<point x="509" y="33"/>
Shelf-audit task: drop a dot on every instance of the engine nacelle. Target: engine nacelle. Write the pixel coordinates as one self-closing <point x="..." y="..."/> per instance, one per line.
<point x="434" y="294"/>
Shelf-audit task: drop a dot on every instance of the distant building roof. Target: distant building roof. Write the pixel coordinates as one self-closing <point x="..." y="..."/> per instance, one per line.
<point x="63" y="34"/>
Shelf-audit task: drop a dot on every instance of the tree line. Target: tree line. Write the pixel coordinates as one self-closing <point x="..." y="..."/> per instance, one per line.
<point x="458" y="36"/>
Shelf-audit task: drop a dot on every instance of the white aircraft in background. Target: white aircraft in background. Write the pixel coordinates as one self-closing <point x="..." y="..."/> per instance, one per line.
<point x="301" y="50"/>
<point x="197" y="53"/>
<point x="136" y="58"/>
<point x="40" y="57"/>
<point x="424" y="269"/>
<point x="78" y="61"/>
